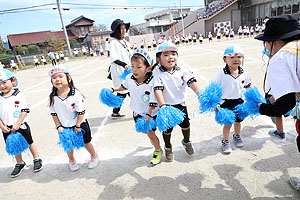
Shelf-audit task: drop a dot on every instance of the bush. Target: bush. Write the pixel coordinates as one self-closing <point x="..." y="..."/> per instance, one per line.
<point x="34" y="49"/>
<point x="22" y="50"/>
<point x="6" y="61"/>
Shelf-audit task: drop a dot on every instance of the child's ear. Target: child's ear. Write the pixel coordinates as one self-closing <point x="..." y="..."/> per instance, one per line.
<point x="14" y="81"/>
<point x="224" y="58"/>
<point x="149" y="69"/>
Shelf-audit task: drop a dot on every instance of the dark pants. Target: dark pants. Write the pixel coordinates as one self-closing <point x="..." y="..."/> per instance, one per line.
<point x="53" y="62"/>
<point x="123" y="96"/>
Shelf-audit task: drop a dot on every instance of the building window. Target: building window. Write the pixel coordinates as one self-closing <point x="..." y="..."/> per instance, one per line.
<point x="295" y="8"/>
<point x="287" y="9"/>
<point x="273" y="11"/>
<point x="280" y="10"/>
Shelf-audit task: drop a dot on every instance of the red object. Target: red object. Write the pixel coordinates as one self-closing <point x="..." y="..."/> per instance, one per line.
<point x="147" y="92"/>
<point x="297" y="124"/>
<point x="17" y="102"/>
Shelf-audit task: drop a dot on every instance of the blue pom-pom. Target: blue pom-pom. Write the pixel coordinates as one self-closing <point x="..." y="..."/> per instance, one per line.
<point x="108" y="98"/>
<point x="16" y="144"/>
<point x="210" y="97"/>
<point x="70" y="139"/>
<point x="225" y="116"/>
<point x="253" y="97"/>
<point x="125" y="73"/>
<point x="142" y="126"/>
<point x="168" y="117"/>
<point x="242" y="111"/>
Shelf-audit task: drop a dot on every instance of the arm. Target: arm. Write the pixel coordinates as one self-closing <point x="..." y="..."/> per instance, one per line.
<point x="119" y="88"/>
<point x="281" y="106"/>
<point x="195" y="87"/>
<point x="57" y="123"/>
<point x="149" y="114"/>
<point x="3" y="127"/>
<point x="119" y="62"/>
<point x="159" y="98"/>
<point x="17" y="125"/>
<point x="78" y="122"/>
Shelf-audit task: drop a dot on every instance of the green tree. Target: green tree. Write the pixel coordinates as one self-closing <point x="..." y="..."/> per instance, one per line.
<point x="3" y="50"/>
<point x="22" y="50"/>
<point x="34" y="49"/>
<point x="56" y="44"/>
<point x="73" y="43"/>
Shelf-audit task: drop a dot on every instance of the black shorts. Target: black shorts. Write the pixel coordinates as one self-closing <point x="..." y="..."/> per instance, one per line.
<point x="200" y="40"/>
<point x="135" y="118"/>
<point x="25" y="132"/>
<point x="62" y="58"/>
<point x="186" y="121"/>
<point x="209" y="38"/>
<point x="218" y="37"/>
<point x="154" y="45"/>
<point x="231" y="36"/>
<point x="227" y="36"/>
<point x="230" y="104"/>
<point x="149" y="47"/>
<point x="194" y="40"/>
<point x="87" y="136"/>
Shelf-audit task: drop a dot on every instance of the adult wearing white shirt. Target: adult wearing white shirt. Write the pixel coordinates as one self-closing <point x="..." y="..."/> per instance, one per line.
<point x="120" y="54"/>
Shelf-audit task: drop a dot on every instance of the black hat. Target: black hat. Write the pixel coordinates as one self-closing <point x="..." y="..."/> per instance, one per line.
<point x="117" y="23"/>
<point x="279" y="28"/>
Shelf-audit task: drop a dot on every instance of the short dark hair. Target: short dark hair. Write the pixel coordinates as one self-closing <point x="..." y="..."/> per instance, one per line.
<point x="117" y="33"/>
<point x="138" y="56"/>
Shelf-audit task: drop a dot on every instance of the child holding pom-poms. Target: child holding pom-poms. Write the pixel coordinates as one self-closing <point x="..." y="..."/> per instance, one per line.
<point x="170" y="82"/>
<point x="68" y="113"/>
<point x="13" y="123"/>
<point x="233" y="79"/>
<point x="142" y="99"/>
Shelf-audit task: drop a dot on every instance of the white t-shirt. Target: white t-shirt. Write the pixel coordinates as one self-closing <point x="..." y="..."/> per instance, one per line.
<point x="12" y="106"/>
<point x="120" y="50"/>
<point x="141" y="94"/>
<point x="282" y="77"/>
<point x="67" y="109"/>
<point x="35" y="60"/>
<point x="173" y="84"/>
<point x="233" y="86"/>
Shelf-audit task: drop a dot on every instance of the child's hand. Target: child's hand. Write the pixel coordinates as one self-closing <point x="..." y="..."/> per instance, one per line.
<point x="259" y="104"/>
<point x="126" y="67"/>
<point x="5" y="129"/>
<point x="272" y="99"/>
<point x="15" y="127"/>
<point x="78" y="130"/>
<point x="216" y="108"/>
<point x="60" y="129"/>
<point x="148" y="118"/>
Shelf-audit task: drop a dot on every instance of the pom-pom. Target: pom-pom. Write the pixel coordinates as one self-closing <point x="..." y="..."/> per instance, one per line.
<point x="242" y="111"/>
<point x="70" y="139"/>
<point x="225" y="116"/>
<point x="142" y="126"/>
<point x="168" y="117"/>
<point x="210" y="97"/>
<point x="125" y="73"/>
<point x="108" y="98"/>
<point x="253" y="97"/>
<point x="16" y="144"/>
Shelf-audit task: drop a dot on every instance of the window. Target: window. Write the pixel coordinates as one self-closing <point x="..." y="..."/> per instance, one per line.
<point x="295" y="8"/>
<point x="280" y="10"/>
<point x="287" y="9"/>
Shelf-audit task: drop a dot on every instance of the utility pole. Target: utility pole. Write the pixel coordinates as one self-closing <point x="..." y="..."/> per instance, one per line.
<point x="182" y="19"/>
<point x="64" y="28"/>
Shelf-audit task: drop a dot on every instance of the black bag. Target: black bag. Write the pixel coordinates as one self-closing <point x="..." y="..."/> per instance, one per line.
<point x="109" y="74"/>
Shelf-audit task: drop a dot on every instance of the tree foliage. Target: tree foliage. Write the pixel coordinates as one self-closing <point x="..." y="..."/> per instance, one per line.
<point x="34" y="49"/>
<point x="56" y="44"/>
<point x="73" y="43"/>
<point x="22" y="50"/>
<point x="3" y="49"/>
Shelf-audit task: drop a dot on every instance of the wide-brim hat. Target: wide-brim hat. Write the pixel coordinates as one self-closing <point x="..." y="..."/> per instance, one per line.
<point x="279" y="28"/>
<point x="5" y="74"/>
<point x="117" y="23"/>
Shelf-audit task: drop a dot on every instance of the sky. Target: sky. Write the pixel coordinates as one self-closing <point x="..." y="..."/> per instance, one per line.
<point x="48" y="19"/>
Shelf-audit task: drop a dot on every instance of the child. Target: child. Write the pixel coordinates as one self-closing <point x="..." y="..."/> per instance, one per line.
<point x="149" y="44"/>
<point x="13" y="65"/>
<point x="219" y="36"/>
<point x="57" y="57"/>
<point x="154" y="44"/>
<point x="36" y="61"/>
<point x="233" y="80"/>
<point x="210" y="37"/>
<point x="13" y="118"/>
<point x="200" y="38"/>
<point x="168" y="93"/>
<point x="62" y="56"/>
<point x="67" y="110"/>
<point x="143" y="102"/>
<point x="44" y="61"/>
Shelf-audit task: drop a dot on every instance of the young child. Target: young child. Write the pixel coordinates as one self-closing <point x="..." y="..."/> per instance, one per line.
<point x="233" y="79"/>
<point x="142" y="99"/>
<point x="13" y="118"/>
<point x="36" y="61"/>
<point x="68" y="111"/>
<point x="13" y="65"/>
<point x="210" y="37"/>
<point x="44" y="61"/>
<point x="170" y="82"/>
<point x="62" y="56"/>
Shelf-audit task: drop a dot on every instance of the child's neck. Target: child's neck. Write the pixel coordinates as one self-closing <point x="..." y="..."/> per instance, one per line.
<point x="142" y="79"/>
<point x="171" y="69"/>
<point x="63" y="92"/>
<point x="8" y="93"/>
<point x="234" y="71"/>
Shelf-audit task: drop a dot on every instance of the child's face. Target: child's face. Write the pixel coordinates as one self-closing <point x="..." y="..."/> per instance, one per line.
<point x="234" y="61"/>
<point x="7" y="86"/>
<point x="60" y="80"/>
<point x="168" y="59"/>
<point x="139" y="69"/>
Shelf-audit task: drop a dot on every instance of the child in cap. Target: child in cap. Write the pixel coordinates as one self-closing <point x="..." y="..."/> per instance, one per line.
<point x="233" y="79"/>
<point x="13" y="65"/>
<point x="170" y="82"/>
<point x="142" y="98"/>
<point x="68" y="111"/>
<point x="13" y="118"/>
<point x="44" y="61"/>
<point x="36" y="61"/>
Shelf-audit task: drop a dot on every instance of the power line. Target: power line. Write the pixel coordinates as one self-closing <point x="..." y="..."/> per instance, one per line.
<point x="24" y="8"/>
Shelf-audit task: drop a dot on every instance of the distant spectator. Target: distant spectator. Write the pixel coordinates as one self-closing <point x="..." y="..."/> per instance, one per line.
<point x="106" y="47"/>
<point x="52" y="57"/>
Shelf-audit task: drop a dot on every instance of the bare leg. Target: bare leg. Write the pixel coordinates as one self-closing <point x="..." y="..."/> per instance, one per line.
<point x="237" y="128"/>
<point x="33" y="151"/>
<point x="90" y="148"/>
<point x="154" y="139"/>
<point x="226" y="131"/>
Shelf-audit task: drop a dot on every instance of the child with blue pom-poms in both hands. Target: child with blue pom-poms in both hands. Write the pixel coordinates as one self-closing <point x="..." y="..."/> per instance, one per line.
<point x="68" y="111"/>
<point x="13" y="118"/>
<point x="233" y="79"/>
<point x="170" y="81"/>
<point x="142" y="98"/>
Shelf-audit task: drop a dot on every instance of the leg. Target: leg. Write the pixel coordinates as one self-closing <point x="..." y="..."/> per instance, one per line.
<point x="19" y="158"/>
<point x="237" y="128"/>
<point x="237" y="140"/>
<point x="71" y="155"/>
<point x="117" y="110"/>
<point x="94" y="156"/>
<point x="279" y="123"/>
<point x="90" y="148"/>
<point x="225" y="143"/>
<point x="186" y="141"/>
<point x="279" y="128"/>
<point x="168" y="146"/>
<point x="226" y="131"/>
<point x="154" y="139"/>
<point x="33" y="151"/>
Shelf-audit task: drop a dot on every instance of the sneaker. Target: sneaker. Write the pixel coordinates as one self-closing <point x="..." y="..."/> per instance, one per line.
<point x="169" y="154"/>
<point x="237" y="140"/>
<point x="18" y="170"/>
<point x="117" y="115"/>
<point x="188" y="147"/>
<point x="295" y="182"/>
<point x="226" y="147"/>
<point x="277" y="134"/>
<point x="156" y="157"/>
<point x="93" y="162"/>
<point x="37" y="165"/>
<point x="73" y="165"/>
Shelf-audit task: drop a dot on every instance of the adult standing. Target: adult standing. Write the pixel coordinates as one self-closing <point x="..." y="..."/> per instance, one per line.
<point x="52" y="57"/>
<point x="282" y="39"/>
<point x="106" y="46"/>
<point x="120" y="55"/>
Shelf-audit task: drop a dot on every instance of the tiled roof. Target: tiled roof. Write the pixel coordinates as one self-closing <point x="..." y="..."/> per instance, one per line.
<point x="36" y="37"/>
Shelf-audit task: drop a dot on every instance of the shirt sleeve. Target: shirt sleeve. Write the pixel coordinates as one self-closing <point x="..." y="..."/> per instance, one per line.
<point x="79" y="103"/>
<point x="114" y="50"/>
<point x="153" y="101"/>
<point x="219" y="77"/>
<point x="157" y="82"/>
<point x="188" y="76"/>
<point x="23" y="103"/>
<point x="247" y="80"/>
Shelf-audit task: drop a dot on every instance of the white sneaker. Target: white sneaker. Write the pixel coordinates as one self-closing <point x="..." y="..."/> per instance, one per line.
<point x="226" y="147"/>
<point x="295" y="182"/>
<point x="93" y="162"/>
<point x="73" y="165"/>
